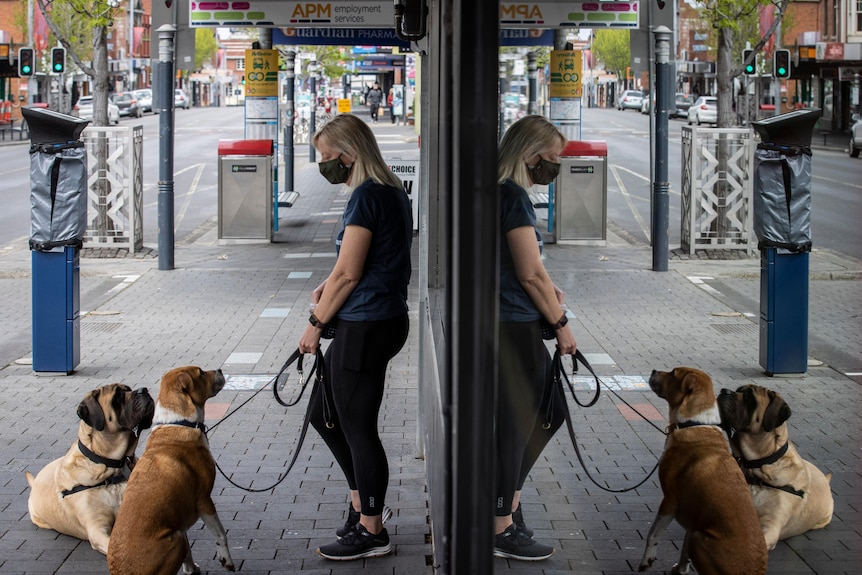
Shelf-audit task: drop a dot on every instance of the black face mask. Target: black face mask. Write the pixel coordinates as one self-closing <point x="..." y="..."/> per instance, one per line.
<point x="544" y="172"/>
<point x="334" y="171"/>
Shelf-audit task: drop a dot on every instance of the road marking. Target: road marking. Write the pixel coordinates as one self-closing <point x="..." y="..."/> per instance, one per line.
<point x="628" y="199"/>
<point x="698" y="281"/>
<point x="189" y="195"/>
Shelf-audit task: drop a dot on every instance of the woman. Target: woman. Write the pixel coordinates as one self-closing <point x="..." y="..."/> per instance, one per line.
<point x="528" y="155"/>
<point x="366" y="293"/>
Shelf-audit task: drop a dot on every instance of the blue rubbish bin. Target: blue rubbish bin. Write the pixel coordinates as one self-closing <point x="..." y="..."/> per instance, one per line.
<point x="782" y="223"/>
<point x="58" y="221"/>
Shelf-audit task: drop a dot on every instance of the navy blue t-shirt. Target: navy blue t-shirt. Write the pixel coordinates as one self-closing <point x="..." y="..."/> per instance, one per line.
<point x="516" y="212"/>
<point x="382" y="291"/>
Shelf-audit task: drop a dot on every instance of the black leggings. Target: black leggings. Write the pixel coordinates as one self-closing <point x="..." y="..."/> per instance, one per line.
<point x="356" y="363"/>
<point x="526" y="417"/>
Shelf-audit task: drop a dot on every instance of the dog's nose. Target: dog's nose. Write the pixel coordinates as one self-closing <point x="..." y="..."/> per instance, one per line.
<point x="725" y="391"/>
<point x="653" y="373"/>
<point x="141" y="391"/>
<point x="219" y="371"/>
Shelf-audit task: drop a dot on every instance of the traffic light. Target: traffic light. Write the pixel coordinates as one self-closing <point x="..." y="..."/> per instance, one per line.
<point x="58" y="60"/>
<point x="781" y="64"/>
<point x="26" y="62"/>
<point x="243" y="80"/>
<point x="749" y="67"/>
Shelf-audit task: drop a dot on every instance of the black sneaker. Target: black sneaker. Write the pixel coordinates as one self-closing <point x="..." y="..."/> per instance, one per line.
<point x="515" y="544"/>
<point x="353" y="519"/>
<point x="518" y="518"/>
<point x="356" y="544"/>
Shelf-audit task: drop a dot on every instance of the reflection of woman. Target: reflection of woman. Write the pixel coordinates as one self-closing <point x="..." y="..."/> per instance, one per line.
<point x="528" y="155"/>
<point x="367" y="293"/>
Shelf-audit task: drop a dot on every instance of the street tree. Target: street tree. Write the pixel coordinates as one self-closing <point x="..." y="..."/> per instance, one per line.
<point x="612" y="48"/>
<point x="729" y="17"/>
<point x="205" y="46"/>
<point x="68" y="21"/>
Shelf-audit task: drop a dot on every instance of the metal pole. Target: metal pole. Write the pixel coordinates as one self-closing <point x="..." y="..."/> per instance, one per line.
<point x="289" y="111"/>
<point x="532" y="82"/>
<point x="502" y="102"/>
<point x="131" y="57"/>
<point x="312" y="76"/>
<point x="660" y="217"/>
<point x="166" y="146"/>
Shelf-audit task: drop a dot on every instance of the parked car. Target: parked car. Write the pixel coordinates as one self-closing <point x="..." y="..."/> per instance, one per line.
<point x="84" y="110"/>
<point x="630" y="99"/>
<point x="703" y="111"/>
<point x="128" y="104"/>
<point x="144" y="97"/>
<point x="181" y="100"/>
<point x="682" y="102"/>
<point x="647" y="104"/>
<point x="855" y="135"/>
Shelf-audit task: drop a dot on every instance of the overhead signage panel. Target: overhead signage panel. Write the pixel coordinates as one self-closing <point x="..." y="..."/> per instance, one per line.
<point x="359" y="14"/>
<point x="372" y="37"/>
<point x="372" y="14"/>
<point x="577" y="14"/>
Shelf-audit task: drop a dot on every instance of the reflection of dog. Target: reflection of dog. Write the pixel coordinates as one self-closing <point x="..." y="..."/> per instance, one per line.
<point x="790" y="494"/>
<point x="171" y="485"/>
<point x="79" y="494"/>
<point x="703" y="488"/>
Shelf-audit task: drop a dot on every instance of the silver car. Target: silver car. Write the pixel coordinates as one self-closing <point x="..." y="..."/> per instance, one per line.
<point x="703" y="111"/>
<point x="855" y="136"/>
<point x="145" y="99"/>
<point x="630" y="99"/>
<point x="84" y="109"/>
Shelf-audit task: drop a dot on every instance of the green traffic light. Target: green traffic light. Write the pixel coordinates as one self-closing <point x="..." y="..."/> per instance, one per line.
<point x="782" y="71"/>
<point x="25" y="69"/>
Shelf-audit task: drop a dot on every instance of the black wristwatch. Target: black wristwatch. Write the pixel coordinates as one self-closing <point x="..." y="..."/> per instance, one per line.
<point x="560" y="324"/>
<point x="312" y="319"/>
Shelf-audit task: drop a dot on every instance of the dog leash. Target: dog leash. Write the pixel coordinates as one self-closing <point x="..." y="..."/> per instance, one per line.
<point x="560" y="376"/>
<point x="318" y="369"/>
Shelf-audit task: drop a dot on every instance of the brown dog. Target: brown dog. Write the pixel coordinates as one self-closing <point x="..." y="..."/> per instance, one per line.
<point x="703" y="488"/>
<point x="171" y="485"/>
<point x="79" y="494"/>
<point x="790" y="494"/>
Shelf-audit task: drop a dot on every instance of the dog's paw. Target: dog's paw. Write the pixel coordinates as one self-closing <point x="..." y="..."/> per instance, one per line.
<point x="195" y="570"/>
<point x="227" y="563"/>
<point x="646" y="563"/>
<point x="681" y="569"/>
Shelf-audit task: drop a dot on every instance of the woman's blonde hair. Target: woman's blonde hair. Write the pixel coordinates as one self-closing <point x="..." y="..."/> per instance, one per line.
<point x="526" y="138"/>
<point x="350" y="135"/>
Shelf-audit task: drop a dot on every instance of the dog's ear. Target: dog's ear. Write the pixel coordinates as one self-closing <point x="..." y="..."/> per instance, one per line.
<point x="777" y="412"/>
<point x="185" y="382"/>
<point x="90" y="411"/>
<point x="690" y="382"/>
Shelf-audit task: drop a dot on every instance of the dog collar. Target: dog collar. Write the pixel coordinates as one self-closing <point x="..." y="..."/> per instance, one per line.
<point x="186" y="423"/>
<point x="758" y="463"/>
<point x="96" y="458"/>
<point x="684" y="424"/>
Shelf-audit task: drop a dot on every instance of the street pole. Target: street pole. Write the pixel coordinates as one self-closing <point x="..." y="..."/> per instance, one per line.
<point x="289" y="111"/>
<point x="532" y="82"/>
<point x="131" y="54"/>
<point x="166" y="146"/>
<point x="660" y="217"/>
<point x="502" y="101"/>
<point x="312" y="76"/>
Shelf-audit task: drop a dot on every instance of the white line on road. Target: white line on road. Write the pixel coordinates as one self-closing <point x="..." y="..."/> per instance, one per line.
<point x="628" y="199"/>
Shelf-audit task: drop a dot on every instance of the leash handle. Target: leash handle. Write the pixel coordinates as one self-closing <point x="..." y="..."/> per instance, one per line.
<point x="560" y="375"/>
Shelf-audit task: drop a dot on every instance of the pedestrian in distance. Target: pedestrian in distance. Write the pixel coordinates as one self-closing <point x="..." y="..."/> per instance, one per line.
<point x="373" y="99"/>
<point x="390" y="103"/>
<point x="366" y="294"/>
<point x="528" y="155"/>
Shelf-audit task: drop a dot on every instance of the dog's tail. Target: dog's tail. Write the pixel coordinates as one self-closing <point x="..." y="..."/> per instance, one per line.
<point x="31" y="479"/>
